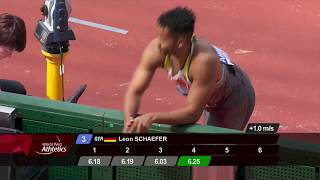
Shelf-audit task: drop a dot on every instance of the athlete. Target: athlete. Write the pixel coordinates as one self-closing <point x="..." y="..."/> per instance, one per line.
<point x="204" y="74"/>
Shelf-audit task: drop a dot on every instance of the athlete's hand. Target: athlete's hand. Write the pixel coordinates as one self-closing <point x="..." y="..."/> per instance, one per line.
<point x="140" y="124"/>
<point x="127" y="124"/>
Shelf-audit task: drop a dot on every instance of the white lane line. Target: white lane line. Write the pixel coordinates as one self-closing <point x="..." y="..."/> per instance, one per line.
<point x="99" y="26"/>
<point x="242" y="51"/>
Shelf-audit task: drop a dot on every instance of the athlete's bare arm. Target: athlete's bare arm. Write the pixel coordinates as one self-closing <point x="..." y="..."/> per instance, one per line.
<point x="150" y="61"/>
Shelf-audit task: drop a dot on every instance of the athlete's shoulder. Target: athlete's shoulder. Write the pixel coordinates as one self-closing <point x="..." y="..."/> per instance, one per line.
<point x="153" y="46"/>
<point x="151" y="53"/>
<point x="205" y="62"/>
<point x="203" y="53"/>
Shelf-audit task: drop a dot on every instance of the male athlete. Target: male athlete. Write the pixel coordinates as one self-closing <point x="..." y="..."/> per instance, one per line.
<point x="211" y="82"/>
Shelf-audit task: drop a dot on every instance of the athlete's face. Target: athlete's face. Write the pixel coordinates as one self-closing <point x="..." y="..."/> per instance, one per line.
<point x="168" y="42"/>
<point x="5" y="52"/>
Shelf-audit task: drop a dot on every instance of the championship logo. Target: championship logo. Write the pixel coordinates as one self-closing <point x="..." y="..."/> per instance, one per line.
<point x="50" y="147"/>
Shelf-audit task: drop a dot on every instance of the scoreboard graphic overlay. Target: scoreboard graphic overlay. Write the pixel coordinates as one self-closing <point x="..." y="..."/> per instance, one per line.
<point x="140" y="149"/>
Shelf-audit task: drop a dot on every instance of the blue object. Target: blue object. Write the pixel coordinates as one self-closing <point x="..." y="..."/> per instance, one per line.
<point x="84" y="139"/>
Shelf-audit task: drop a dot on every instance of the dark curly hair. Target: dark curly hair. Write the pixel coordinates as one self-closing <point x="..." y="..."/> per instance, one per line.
<point x="179" y="20"/>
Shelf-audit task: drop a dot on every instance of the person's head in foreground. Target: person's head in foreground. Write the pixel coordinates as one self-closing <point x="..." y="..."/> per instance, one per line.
<point x="175" y="29"/>
<point x="12" y="35"/>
